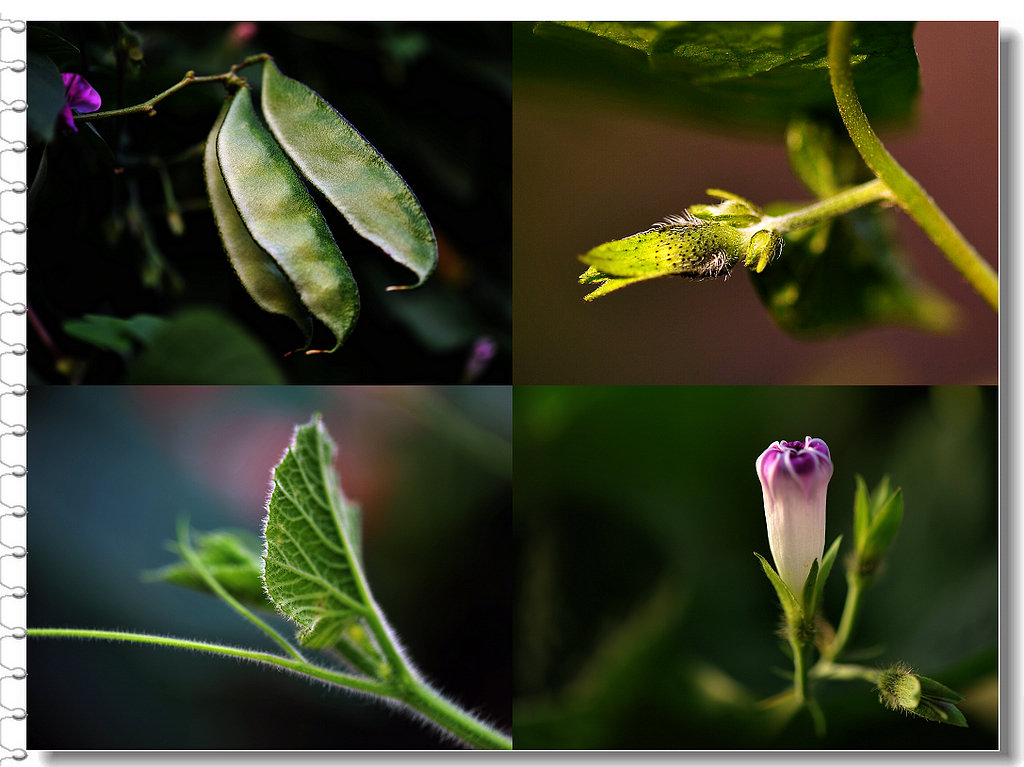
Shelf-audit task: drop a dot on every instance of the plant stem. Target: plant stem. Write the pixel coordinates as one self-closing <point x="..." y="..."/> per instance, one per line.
<point x="843" y="202"/>
<point x="856" y="584"/>
<point x="450" y="717"/>
<point x="343" y="680"/>
<point x="826" y="669"/>
<point x="197" y="564"/>
<point x="906" y="191"/>
<point x="415" y="694"/>
<point x="146" y="107"/>
<point x="802" y="680"/>
<point x="800" y="668"/>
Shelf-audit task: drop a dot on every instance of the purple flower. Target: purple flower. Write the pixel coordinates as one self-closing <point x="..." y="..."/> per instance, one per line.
<point x="79" y="97"/>
<point x="794" y="477"/>
<point x="483" y="351"/>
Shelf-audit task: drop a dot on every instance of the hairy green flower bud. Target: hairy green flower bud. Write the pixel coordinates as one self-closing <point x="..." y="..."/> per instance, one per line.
<point x="900" y="689"/>
<point x="681" y="245"/>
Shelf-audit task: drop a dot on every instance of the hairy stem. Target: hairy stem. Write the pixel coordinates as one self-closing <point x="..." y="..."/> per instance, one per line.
<point x="450" y="717"/>
<point x="342" y="680"/>
<point x="197" y="564"/>
<point x="843" y="202"/>
<point x="906" y="191"/>
<point x="802" y="680"/>
<point x="415" y="694"/>
<point x="147" y="107"/>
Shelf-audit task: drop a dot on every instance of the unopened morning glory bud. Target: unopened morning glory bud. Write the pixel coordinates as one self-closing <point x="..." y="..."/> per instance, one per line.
<point x="794" y="477"/>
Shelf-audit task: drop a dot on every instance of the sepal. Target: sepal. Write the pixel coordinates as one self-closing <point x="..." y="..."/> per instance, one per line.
<point x="876" y="520"/>
<point x="791" y="606"/>
<point x="901" y="689"/>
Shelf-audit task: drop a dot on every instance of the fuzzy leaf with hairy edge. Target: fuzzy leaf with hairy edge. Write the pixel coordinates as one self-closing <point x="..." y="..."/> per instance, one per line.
<point x="312" y="561"/>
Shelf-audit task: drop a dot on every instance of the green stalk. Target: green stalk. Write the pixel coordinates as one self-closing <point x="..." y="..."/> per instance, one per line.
<point x="855" y="586"/>
<point x="905" y="189"/>
<point x="147" y="107"/>
<point x="802" y="680"/>
<point x="197" y="564"/>
<point x="343" y="680"/>
<point x="450" y="717"/>
<point x="830" y="207"/>
<point x="415" y="694"/>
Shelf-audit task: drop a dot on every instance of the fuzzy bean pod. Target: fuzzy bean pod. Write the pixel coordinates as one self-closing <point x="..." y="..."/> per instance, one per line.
<point x="350" y="173"/>
<point x="283" y="219"/>
<point x="258" y="272"/>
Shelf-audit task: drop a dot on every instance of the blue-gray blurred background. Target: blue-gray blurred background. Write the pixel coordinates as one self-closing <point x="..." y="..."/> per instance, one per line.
<point x="643" y="619"/>
<point x="114" y="467"/>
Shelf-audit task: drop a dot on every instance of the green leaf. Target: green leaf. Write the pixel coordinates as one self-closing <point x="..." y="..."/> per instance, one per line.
<point x="822" y="158"/>
<point x="45" y="92"/>
<point x="940" y="711"/>
<point x="935" y="690"/>
<point x="790" y="604"/>
<point x="854" y="277"/>
<point x="313" y="571"/>
<point x="232" y="557"/>
<point x="884" y="525"/>
<point x="48" y="43"/>
<point x="847" y="273"/>
<point x="204" y="346"/>
<point x="824" y="571"/>
<point x="353" y="175"/>
<point x="115" y="334"/>
<point x="283" y="219"/>
<point x="881" y="494"/>
<point x="259" y="273"/>
<point x="810" y="590"/>
<point x="861" y="513"/>
<point x="750" y="75"/>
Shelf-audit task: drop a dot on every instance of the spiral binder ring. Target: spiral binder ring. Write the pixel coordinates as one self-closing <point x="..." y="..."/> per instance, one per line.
<point x="13" y="311"/>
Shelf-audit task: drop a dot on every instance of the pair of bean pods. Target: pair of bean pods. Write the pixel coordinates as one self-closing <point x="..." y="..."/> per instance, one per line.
<point x="275" y="235"/>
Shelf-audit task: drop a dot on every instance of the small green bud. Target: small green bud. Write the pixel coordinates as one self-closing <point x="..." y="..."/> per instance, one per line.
<point x="877" y="518"/>
<point x="900" y="689"/>
<point x="763" y="248"/>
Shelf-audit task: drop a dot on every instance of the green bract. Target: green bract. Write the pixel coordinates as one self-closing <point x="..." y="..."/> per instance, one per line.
<point x="353" y="175"/>
<point x="283" y="219"/>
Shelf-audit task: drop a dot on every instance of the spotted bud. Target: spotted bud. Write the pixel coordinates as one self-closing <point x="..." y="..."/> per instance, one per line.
<point x="681" y="245"/>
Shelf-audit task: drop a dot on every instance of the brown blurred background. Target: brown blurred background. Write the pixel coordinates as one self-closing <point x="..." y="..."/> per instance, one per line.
<point x="588" y="170"/>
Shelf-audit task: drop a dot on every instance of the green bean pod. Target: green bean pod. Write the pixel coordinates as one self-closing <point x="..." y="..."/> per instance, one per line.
<point x="283" y="219"/>
<point x="257" y="271"/>
<point x="350" y="173"/>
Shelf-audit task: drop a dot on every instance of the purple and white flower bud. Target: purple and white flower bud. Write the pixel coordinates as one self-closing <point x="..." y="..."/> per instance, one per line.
<point x="794" y="477"/>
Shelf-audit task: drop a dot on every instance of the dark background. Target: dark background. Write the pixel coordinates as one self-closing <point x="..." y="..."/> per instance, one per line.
<point x="114" y="467"/>
<point x="433" y="98"/>
<point x="643" y="620"/>
<point x="590" y="167"/>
